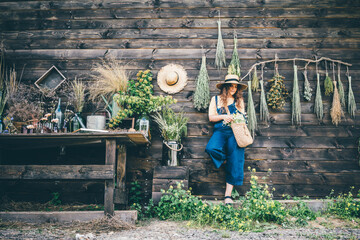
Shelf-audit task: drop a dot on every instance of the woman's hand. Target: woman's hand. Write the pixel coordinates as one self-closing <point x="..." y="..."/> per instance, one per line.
<point x="228" y="118"/>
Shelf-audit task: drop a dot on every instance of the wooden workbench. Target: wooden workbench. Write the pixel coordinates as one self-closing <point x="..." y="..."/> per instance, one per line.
<point x="112" y="170"/>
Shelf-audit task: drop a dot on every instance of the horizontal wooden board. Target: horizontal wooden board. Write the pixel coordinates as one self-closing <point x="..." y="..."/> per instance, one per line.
<point x="171" y="172"/>
<point x="283" y="23"/>
<point x="286" y="178"/>
<point x="182" y="33"/>
<point x="269" y="42"/>
<point x="164" y="184"/>
<point x="313" y="191"/>
<point x="56" y="172"/>
<point x="288" y="142"/>
<point x="52" y="5"/>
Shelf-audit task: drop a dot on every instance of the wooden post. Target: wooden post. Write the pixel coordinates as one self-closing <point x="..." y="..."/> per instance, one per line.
<point x="110" y="184"/>
<point x="120" y="191"/>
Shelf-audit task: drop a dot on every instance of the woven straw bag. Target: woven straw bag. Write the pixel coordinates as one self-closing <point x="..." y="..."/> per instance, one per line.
<point x="241" y="132"/>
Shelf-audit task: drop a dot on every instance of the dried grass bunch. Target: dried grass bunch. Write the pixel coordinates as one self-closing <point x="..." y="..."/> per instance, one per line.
<point x="110" y="78"/>
<point x="77" y="95"/>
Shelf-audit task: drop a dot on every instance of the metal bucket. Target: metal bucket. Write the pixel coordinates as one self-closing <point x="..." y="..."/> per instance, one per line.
<point x="95" y="122"/>
<point x="170" y="156"/>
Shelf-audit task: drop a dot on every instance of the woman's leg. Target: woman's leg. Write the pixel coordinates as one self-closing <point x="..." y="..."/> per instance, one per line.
<point x="228" y="192"/>
<point x="215" y="148"/>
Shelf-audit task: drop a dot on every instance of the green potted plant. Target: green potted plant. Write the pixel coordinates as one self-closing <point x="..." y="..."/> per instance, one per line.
<point x="173" y="128"/>
<point x="138" y="100"/>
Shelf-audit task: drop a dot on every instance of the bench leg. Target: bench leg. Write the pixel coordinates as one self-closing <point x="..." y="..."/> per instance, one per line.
<point x="110" y="159"/>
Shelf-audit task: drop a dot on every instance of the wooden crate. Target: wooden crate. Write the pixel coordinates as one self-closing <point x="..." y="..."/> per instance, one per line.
<point x="51" y="79"/>
<point x="166" y="176"/>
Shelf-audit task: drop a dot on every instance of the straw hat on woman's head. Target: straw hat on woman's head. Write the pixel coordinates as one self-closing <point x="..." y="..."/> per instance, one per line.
<point x="172" y="78"/>
<point x="230" y="78"/>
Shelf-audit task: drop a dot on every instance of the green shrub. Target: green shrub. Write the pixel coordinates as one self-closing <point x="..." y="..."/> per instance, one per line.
<point x="258" y="207"/>
<point x="344" y="205"/>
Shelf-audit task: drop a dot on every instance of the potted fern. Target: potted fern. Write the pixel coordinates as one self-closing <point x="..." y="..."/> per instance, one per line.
<point x="173" y="128"/>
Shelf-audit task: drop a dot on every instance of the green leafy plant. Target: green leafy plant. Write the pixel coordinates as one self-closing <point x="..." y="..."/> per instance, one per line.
<point x="138" y="99"/>
<point x="135" y="194"/>
<point x="344" y="205"/>
<point x="173" y="126"/>
<point x="257" y="210"/>
<point x="55" y="199"/>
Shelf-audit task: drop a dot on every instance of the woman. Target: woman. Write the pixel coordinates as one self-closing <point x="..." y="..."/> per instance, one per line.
<point x="222" y="146"/>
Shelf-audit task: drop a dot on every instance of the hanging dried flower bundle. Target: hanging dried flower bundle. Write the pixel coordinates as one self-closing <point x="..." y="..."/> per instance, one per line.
<point x="336" y="112"/>
<point x="234" y="66"/>
<point x="351" y="100"/>
<point x="341" y="89"/>
<point x="252" y="122"/>
<point x="220" y="60"/>
<point x="202" y="91"/>
<point x="318" y="108"/>
<point x="264" y="111"/>
<point x="277" y="94"/>
<point x="307" y="88"/>
<point x="328" y="84"/>
<point x="296" y="107"/>
<point x="255" y="81"/>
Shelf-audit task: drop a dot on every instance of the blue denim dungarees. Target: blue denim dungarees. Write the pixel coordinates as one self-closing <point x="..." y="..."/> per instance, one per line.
<point x="222" y="146"/>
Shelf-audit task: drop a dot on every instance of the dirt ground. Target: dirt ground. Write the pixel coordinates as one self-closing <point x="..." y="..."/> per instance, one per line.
<point x="321" y="228"/>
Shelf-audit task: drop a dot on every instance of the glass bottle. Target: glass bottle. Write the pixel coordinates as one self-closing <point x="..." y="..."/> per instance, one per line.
<point x="59" y="115"/>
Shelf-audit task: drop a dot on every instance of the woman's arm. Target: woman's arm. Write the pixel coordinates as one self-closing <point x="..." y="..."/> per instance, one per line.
<point x="214" y="116"/>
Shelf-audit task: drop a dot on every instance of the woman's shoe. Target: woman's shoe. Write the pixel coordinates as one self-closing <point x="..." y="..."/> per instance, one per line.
<point x="228" y="202"/>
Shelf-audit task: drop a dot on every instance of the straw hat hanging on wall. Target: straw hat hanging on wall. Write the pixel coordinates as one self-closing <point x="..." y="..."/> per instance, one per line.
<point x="172" y="78"/>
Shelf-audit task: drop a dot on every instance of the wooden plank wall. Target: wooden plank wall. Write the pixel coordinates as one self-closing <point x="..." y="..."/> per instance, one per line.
<point x="310" y="159"/>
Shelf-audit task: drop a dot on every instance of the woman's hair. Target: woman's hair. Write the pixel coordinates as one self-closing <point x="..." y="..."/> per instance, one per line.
<point x="224" y="94"/>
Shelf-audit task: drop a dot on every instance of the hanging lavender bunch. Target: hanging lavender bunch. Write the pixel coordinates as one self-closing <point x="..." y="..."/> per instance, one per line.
<point x="307" y="88"/>
<point x="264" y="111"/>
<point x="202" y="91"/>
<point x="296" y="107"/>
<point x="220" y="60"/>
<point x="252" y="122"/>
<point x="234" y="66"/>
<point x="351" y="100"/>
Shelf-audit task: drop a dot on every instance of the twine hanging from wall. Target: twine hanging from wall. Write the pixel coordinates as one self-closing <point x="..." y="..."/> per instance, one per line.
<point x="252" y="122"/>
<point x="202" y="91"/>
<point x="296" y="107"/>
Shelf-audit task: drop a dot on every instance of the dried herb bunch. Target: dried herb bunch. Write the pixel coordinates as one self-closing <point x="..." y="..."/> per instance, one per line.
<point x="277" y="94"/>
<point x="109" y="79"/>
<point x="202" y="91"/>
<point x="24" y="103"/>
